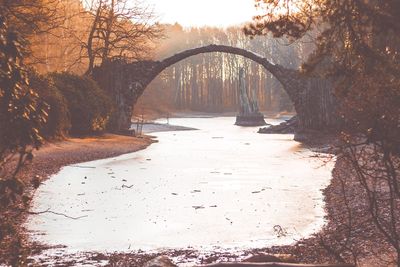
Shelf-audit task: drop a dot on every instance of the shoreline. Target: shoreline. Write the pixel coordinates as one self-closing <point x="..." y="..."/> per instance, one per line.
<point x="49" y="160"/>
<point x="51" y="157"/>
<point x="308" y="250"/>
<point x="138" y="259"/>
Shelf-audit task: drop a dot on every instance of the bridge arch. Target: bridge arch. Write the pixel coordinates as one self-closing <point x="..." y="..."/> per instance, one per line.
<point x="126" y="82"/>
<point x="285" y="76"/>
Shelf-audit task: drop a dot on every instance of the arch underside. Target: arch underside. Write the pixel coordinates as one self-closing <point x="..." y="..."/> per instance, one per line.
<point x="314" y="104"/>
<point x="283" y="75"/>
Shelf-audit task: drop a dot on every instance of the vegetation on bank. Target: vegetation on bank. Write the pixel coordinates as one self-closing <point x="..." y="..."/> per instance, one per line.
<point x="357" y="46"/>
<point x="89" y="107"/>
<point x="75" y="105"/>
<point x="22" y="115"/>
<point x="58" y="121"/>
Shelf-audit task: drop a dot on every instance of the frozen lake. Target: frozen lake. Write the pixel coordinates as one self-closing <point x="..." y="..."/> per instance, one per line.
<point x="220" y="186"/>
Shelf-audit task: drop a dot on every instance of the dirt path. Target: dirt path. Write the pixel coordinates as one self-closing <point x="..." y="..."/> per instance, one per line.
<point x="52" y="156"/>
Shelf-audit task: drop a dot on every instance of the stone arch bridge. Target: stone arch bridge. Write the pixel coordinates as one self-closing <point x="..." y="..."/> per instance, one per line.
<point x="312" y="97"/>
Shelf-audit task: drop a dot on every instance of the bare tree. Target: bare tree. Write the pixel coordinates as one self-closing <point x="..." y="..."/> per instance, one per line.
<point x="117" y="29"/>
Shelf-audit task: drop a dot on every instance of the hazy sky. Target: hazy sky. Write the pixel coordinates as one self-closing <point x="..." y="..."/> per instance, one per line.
<point x="204" y="12"/>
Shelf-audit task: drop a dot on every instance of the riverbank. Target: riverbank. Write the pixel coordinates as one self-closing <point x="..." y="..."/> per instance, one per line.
<point x="55" y="155"/>
<point x="350" y="234"/>
<point x="325" y="247"/>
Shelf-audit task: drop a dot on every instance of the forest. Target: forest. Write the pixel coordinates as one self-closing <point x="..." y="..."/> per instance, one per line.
<point x="209" y="82"/>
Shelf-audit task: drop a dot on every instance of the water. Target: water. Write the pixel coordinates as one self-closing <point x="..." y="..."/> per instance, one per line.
<point x="221" y="186"/>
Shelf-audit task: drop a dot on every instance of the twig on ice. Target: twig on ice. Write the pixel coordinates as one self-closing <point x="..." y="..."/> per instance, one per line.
<point x="56" y="213"/>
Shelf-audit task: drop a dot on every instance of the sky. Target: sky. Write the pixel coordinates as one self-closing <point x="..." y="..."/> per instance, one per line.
<point x="192" y="13"/>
